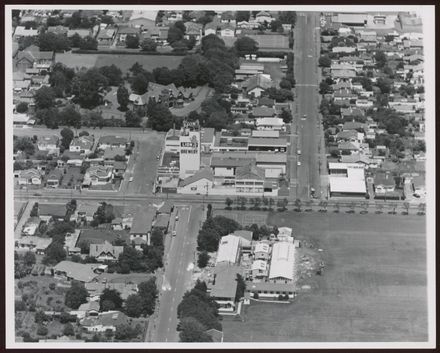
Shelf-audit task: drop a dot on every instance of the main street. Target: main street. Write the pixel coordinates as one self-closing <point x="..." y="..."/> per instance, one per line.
<point x="306" y="48"/>
<point x="178" y="271"/>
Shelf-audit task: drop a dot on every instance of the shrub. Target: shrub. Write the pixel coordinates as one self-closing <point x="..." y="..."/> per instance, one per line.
<point x="42" y="330"/>
<point x="52" y="285"/>
<point x="256" y="296"/>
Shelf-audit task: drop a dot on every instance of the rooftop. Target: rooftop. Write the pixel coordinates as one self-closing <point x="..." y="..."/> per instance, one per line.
<point x="282" y="262"/>
<point x="225" y="281"/>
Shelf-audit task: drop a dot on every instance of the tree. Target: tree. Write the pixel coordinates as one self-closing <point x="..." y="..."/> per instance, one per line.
<point x="126" y="332"/>
<point x="139" y="84"/>
<point x="288" y="17"/>
<point x="68" y="330"/>
<point x="122" y="96"/>
<point x="174" y="34"/>
<point x="50" y="41"/>
<point x="75" y="41"/>
<point x="24" y="144"/>
<point x="89" y="87"/>
<point x="285" y="84"/>
<point x="132" y="41"/>
<point x="67" y="137"/>
<point x="132" y="119"/>
<point x="110" y="299"/>
<point x="148" y="44"/>
<point x="134" y="305"/>
<point x="21" y="107"/>
<point x="54" y="253"/>
<point x="241" y="16"/>
<point x="276" y="26"/>
<point x="229" y="202"/>
<point x="29" y="258"/>
<point x="76" y="295"/>
<point x="193" y="331"/>
<point x="180" y="46"/>
<point x="44" y="98"/>
<point x="148" y="292"/>
<point x="380" y="58"/>
<point x="42" y="330"/>
<point x="40" y="317"/>
<point x="241" y="288"/>
<point x="203" y="259"/>
<point x="104" y="213"/>
<point x="324" y="61"/>
<point x="112" y="73"/>
<point x="88" y="43"/>
<point x="246" y="45"/>
<point x="298" y="205"/>
<point x="406" y="206"/>
<point x="161" y="118"/>
<point x="286" y="116"/>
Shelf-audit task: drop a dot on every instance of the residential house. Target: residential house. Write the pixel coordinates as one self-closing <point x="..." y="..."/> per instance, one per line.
<point x="112" y="141"/>
<point x="384" y="183"/>
<point x="108" y="320"/>
<point x="48" y="143"/>
<point x="52" y="211"/>
<point x="106" y="36"/>
<point x="98" y="175"/>
<point x="263" y="16"/>
<point x="123" y="32"/>
<point x="227" y="30"/>
<point x="83" y="33"/>
<point x="69" y="270"/>
<point x="33" y="243"/>
<point x="82" y="144"/>
<point x="211" y="28"/>
<point x="29" y="177"/>
<point x="58" y="29"/>
<point x="276" y="124"/>
<point x="193" y="29"/>
<point x="257" y="84"/>
<point x="31" y="226"/>
<point x="32" y="57"/>
<point x="140" y="231"/>
<point x="105" y="252"/>
<point x="22" y="31"/>
<point x="91" y="308"/>
<point x="54" y="178"/>
<point x="259" y="270"/>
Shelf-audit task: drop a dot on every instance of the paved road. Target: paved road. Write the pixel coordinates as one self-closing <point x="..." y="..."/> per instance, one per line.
<point x="178" y="270"/>
<point x="306" y="74"/>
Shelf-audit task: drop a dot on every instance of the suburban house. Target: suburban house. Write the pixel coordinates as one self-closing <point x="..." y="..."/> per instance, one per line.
<point x="193" y="29"/>
<point x="33" y="58"/>
<point x="200" y="183"/>
<point x="123" y="32"/>
<point x="384" y="184"/>
<point x="98" y="175"/>
<point x="33" y="243"/>
<point x="48" y="143"/>
<point x="112" y="141"/>
<point x="69" y="270"/>
<point x="211" y="28"/>
<point x="262" y="251"/>
<point x="52" y="211"/>
<point x="105" y="252"/>
<point x="108" y="320"/>
<point x="106" y="36"/>
<point x="82" y="144"/>
<point x="263" y="16"/>
<point x="83" y="33"/>
<point x="29" y="177"/>
<point x="255" y="85"/>
<point x="22" y="31"/>
<point x="54" y="178"/>
<point x="141" y="228"/>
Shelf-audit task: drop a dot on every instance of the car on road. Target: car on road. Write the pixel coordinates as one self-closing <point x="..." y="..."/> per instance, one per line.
<point x="157" y="157"/>
<point x="177" y="218"/>
<point x="174" y="233"/>
<point x="298" y="163"/>
<point x="131" y="179"/>
<point x="305" y="116"/>
<point x="299" y="152"/>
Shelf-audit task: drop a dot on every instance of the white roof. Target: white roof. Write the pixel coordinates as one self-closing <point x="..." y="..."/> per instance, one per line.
<point x="285" y="231"/>
<point x="265" y="133"/>
<point x="228" y="249"/>
<point x="354" y="182"/>
<point x="283" y="260"/>
<point x="20" y="118"/>
<point x="270" y="121"/>
<point x="259" y="265"/>
<point x="261" y="247"/>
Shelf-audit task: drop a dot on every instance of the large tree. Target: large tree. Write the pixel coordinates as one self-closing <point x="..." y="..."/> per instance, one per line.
<point x="122" y="96"/>
<point x="67" y="137"/>
<point x="288" y="17"/>
<point x="112" y="73"/>
<point x="160" y="118"/>
<point x="148" y="44"/>
<point x="71" y="117"/>
<point x="132" y="119"/>
<point x="139" y="84"/>
<point x="241" y="16"/>
<point x="88" y="43"/>
<point x="134" y="305"/>
<point x="89" y="87"/>
<point x="44" y="98"/>
<point x="76" y="295"/>
<point x="193" y="331"/>
<point x="50" y="41"/>
<point x="132" y="41"/>
<point x="110" y="299"/>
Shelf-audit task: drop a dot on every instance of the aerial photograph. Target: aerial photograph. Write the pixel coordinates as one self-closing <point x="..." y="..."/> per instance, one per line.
<point x="183" y="175"/>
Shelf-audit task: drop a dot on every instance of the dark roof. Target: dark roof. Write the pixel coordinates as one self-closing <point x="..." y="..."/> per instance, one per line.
<point x="201" y="174"/>
<point x="250" y="172"/>
<point x="225" y="281"/>
<point x="99" y="236"/>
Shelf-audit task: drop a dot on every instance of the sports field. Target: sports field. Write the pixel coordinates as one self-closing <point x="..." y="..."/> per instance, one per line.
<point x="124" y="62"/>
<point x="373" y="288"/>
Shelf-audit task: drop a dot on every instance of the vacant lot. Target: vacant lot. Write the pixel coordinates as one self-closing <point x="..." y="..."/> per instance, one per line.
<point x="373" y="287"/>
<point x="124" y="62"/>
<point x="244" y="218"/>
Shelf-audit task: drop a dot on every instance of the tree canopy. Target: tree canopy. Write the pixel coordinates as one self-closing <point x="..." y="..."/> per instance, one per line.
<point x="76" y="295"/>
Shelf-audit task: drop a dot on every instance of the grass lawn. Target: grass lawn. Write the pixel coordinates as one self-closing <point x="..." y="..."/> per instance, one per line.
<point x="373" y="287"/>
<point x="149" y="62"/>
<point x="243" y="217"/>
<point x="124" y="62"/>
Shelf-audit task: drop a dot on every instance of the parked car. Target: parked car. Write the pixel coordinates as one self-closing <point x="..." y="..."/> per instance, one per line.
<point x="131" y="179"/>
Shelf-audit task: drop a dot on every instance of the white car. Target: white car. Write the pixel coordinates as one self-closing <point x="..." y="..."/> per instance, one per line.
<point x="174" y="233"/>
<point x="298" y="163"/>
<point x="299" y="152"/>
<point x="131" y="179"/>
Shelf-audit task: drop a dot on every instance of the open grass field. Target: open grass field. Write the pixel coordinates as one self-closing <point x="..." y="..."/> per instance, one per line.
<point x="124" y="62"/>
<point x="373" y="288"/>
